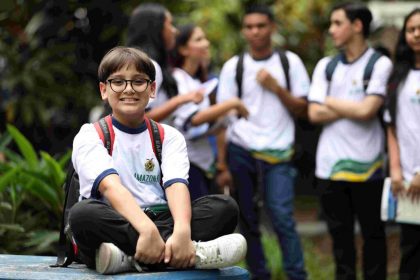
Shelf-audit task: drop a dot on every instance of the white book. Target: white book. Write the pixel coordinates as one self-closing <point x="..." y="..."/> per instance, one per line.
<point x="398" y="209"/>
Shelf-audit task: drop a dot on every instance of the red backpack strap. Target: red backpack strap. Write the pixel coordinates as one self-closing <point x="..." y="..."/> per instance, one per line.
<point x="106" y="132"/>
<point x="157" y="136"/>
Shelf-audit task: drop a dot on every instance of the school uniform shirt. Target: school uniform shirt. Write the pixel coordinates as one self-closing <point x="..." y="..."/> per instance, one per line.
<point x="200" y="152"/>
<point x="269" y="131"/>
<point x="132" y="159"/>
<point x="350" y="150"/>
<point x="408" y="124"/>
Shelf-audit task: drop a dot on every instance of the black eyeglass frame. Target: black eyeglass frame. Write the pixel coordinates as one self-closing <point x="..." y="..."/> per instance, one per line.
<point x="148" y="81"/>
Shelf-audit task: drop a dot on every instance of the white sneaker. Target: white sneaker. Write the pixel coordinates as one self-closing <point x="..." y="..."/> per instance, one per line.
<point x="221" y="252"/>
<point x="111" y="260"/>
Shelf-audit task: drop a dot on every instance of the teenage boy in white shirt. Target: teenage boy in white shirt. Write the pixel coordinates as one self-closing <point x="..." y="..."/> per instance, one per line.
<point x="260" y="147"/>
<point x="350" y="150"/>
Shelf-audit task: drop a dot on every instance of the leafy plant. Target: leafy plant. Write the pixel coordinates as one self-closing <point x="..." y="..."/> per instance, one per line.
<point x="31" y="196"/>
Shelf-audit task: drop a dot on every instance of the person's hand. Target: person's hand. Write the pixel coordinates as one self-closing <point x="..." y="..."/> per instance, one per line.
<point x="150" y="247"/>
<point x="196" y="96"/>
<point x="179" y="251"/>
<point x="267" y="81"/>
<point x="414" y="189"/>
<point x="242" y="110"/>
<point x="397" y="184"/>
<point x="223" y="179"/>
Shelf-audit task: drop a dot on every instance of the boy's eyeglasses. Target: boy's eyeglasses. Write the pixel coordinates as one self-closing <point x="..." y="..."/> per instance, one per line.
<point x="138" y="85"/>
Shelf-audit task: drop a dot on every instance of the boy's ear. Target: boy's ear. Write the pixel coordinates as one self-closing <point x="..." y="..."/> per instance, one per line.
<point x="102" y="89"/>
<point x="152" y="93"/>
<point x="358" y="25"/>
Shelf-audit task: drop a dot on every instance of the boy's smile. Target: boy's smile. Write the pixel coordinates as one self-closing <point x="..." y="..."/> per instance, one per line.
<point x="119" y="90"/>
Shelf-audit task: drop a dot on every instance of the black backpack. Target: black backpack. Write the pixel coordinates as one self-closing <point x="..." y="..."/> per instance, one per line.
<point x="67" y="248"/>
<point x="305" y="132"/>
<point x="367" y="74"/>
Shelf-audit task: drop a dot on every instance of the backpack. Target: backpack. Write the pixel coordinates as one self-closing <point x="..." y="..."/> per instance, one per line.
<point x="367" y="74"/>
<point x="67" y="248"/>
<point x="305" y="132"/>
<point x="240" y="70"/>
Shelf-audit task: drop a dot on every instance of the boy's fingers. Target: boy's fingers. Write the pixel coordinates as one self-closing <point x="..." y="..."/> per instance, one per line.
<point x="168" y="253"/>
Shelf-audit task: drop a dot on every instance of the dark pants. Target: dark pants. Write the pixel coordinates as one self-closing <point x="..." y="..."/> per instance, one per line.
<point x="94" y="222"/>
<point x="199" y="184"/>
<point x="410" y="252"/>
<point x="256" y="181"/>
<point x="341" y="203"/>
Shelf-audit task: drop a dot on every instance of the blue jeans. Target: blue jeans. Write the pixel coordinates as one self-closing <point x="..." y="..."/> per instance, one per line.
<point x="275" y="184"/>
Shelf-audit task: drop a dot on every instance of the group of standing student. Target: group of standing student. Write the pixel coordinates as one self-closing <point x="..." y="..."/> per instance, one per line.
<point x="350" y="153"/>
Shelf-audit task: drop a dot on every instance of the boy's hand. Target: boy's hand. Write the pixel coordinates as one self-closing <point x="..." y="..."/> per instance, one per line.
<point x="150" y="246"/>
<point x="267" y="81"/>
<point x="179" y="251"/>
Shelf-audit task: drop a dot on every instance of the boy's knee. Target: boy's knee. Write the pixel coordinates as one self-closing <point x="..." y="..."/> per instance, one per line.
<point x="82" y="213"/>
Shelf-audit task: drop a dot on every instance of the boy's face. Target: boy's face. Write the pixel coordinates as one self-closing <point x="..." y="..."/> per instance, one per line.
<point x="128" y="104"/>
<point x="342" y="30"/>
<point x="257" y="29"/>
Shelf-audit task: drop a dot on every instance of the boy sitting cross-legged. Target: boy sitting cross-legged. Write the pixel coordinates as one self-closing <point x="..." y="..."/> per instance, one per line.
<point x="134" y="212"/>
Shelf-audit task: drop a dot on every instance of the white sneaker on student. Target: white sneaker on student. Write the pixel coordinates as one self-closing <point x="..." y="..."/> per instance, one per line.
<point x="221" y="252"/>
<point x="111" y="260"/>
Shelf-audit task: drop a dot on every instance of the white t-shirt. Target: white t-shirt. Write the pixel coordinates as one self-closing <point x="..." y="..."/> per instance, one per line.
<point x="160" y="96"/>
<point x="269" y="130"/>
<point x="199" y="149"/>
<point x="408" y="124"/>
<point x="132" y="159"/>
<point x="350" y="150"/>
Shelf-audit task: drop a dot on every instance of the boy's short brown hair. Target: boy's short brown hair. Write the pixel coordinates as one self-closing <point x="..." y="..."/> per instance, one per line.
<point x="118" y="57"/>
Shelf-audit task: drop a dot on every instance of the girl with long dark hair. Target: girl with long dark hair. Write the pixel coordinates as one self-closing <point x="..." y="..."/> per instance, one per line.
<point x="151" y="29"/>
<point x="403" y="133"/>
<point x="197" y="121"/>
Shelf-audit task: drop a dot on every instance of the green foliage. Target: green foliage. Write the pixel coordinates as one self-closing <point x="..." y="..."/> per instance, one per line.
<point x="31" y="196"/>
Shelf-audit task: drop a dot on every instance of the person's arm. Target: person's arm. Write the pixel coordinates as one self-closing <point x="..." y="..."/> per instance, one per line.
<point x="394" y="161"/>
<point x="297" y="106"/>
<point x="179" y="250"/>
<point x="220" y="109"/>
<point x="320" y="114"/>
<point x="150" y="246"/>
<point x="223" y="178"/>
<point x="163" y="111"/>
<point x="357" y="110"/>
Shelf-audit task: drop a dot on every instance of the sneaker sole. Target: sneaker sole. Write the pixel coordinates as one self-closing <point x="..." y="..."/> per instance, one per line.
<point x="103" y="258"/>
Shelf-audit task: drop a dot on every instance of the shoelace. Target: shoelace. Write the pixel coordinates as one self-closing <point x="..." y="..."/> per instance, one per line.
<point x="135" y="264"/>
<point x="208" y="254"/>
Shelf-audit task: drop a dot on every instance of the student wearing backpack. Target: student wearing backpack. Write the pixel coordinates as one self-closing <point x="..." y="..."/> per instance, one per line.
<point x="260" y="148"/>
<point x="403" y="131"/>
<point x="198" y="121"/>
<point x="349" y="159"/>
<point x="133" y="211"/>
